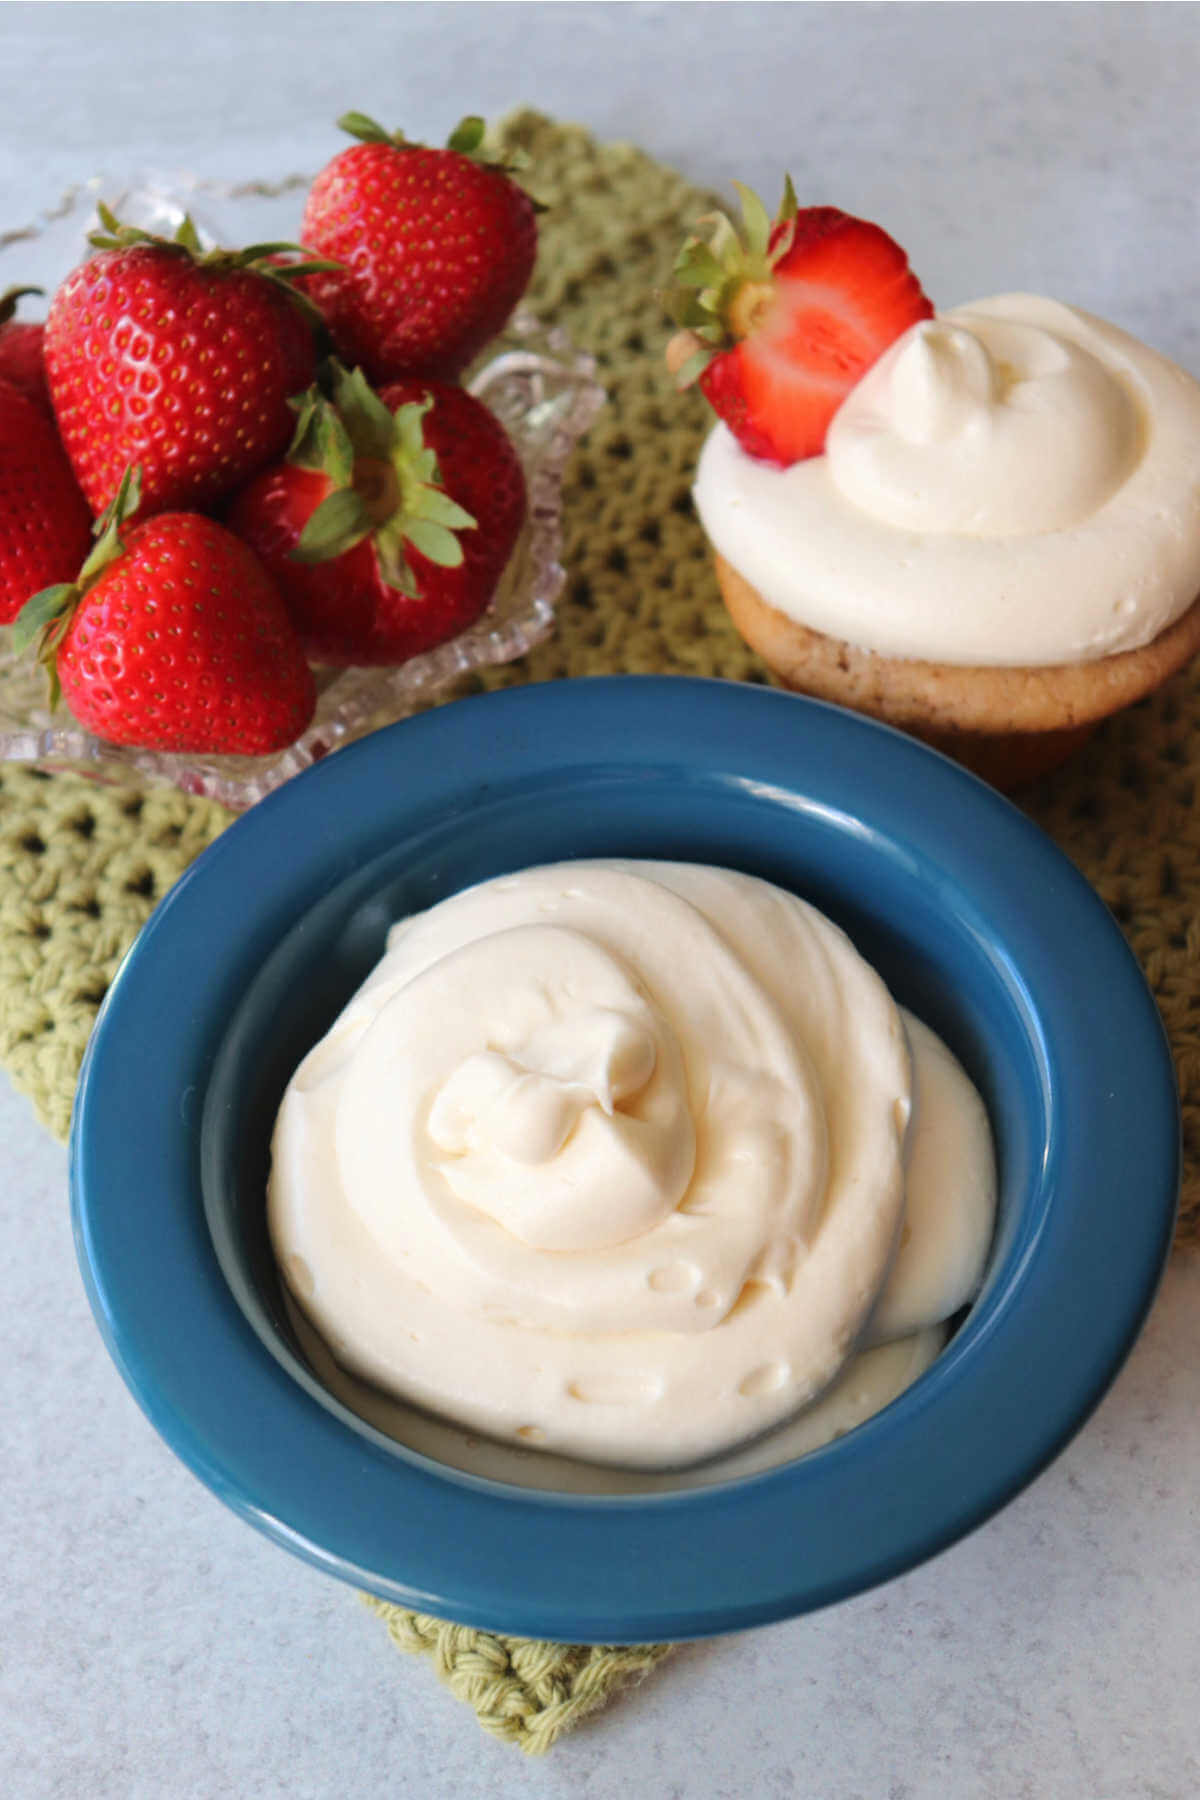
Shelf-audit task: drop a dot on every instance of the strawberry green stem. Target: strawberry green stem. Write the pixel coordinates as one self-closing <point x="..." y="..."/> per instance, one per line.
<point x="258" y="259"/>
<point x="386" y="483"/>
<point x="725" y="277"/>
<point x="46" y="616"/>
<point x="9" y="298"/>
<point x="468" y="137"/>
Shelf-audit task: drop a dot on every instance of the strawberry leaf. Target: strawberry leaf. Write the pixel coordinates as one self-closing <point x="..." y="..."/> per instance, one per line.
<point x="366" y="418"/>
<point x="697" y="267"/>
<point x="262" y="259"/>
<point x="338" y="524"/>
<point x="254" y="253"/>
<point x="435" y="504"/>
<point x="304" y="406"/>
<point x="754" y="217"/>
<point x="39" y="611"/>
<point x="188" y="236"/>
<point x="109" y="222"/>
<point x="321" y="442"/>
<point x="467" y="135"/>
<point x="359" y="125"/>
<point x="46" y="617"/>
<point x="392" y="561"/>
<point x="410" y="438"/>
<point x="434" y="541"/>
<point x="783" y="230"/>
<point x="724" y="241"/>
<point x="9" y="298"/>
<point x="113" y="235"/>
<point x="690" y="371"/>
<point x="289" y="272"/>
<point x="107" y="528"/>
<point x="124" y="502"/>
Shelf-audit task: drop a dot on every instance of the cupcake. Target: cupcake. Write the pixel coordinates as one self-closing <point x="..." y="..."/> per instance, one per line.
<point x="982" y="526"/>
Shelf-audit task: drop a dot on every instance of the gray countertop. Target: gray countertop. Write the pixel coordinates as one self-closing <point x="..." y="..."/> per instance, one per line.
<point x="153" y="1646"/>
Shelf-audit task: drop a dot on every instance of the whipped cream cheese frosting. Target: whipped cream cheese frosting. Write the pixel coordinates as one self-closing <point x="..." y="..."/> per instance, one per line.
<point x="624" y="1160"/>
<point x="1014" y="482"/>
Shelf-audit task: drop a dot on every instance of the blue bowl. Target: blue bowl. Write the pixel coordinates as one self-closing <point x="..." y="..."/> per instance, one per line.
<point x="975" y="920"/>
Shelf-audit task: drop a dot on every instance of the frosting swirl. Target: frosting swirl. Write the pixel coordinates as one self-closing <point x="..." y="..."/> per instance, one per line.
<point x="606" y="1157"/>
<point x="984" y="427"/>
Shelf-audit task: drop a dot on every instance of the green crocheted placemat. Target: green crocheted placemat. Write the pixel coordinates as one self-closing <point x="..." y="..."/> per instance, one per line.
<point x="82" y="866"/>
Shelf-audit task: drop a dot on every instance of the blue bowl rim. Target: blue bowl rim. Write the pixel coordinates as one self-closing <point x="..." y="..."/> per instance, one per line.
<point x="613" y="1569"/>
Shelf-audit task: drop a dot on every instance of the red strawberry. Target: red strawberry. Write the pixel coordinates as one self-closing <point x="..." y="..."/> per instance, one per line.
<point x="173" y="638"/>
<point x="45" y="525"/>
<point x="181" y="362"/>
<point x="790" y="318"/>
<point x="403" y="508"/>
<point x="438" y="247"/>
<point x="21" y="351"/>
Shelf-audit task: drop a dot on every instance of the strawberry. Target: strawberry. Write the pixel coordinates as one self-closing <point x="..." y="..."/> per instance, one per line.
<point x="788" y="317"/>
<point x="45" y="525"/>
<point x="438" y="247"/>
<point x="21" y="351"/>
<point x="182" y="362"/>
<point x="172" y="638"/>
<point x="361" y="527"/>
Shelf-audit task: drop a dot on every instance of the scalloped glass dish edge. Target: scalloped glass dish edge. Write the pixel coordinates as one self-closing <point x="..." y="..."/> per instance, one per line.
<point x="540" y="386"/>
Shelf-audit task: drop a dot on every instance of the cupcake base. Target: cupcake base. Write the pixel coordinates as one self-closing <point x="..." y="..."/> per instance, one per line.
<point x="1009" y="725"/>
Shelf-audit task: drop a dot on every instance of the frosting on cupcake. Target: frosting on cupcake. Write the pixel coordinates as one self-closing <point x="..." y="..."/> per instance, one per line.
<point x="1014" y="482"/>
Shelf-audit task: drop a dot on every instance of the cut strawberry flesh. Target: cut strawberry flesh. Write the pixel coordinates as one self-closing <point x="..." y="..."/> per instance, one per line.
<point x="843" y="293"/>
<point x="821" y="330"/>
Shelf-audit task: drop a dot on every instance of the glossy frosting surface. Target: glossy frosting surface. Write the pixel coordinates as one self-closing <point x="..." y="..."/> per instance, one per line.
<point x="614" y="1159"/>
<point x="1014" y="482"/>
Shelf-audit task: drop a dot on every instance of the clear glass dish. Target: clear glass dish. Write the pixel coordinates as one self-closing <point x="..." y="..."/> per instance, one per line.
<point x="541" y="387"/>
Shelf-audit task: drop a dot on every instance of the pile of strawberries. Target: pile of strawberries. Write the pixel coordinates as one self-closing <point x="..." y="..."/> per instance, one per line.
<point x="217" y="469"/>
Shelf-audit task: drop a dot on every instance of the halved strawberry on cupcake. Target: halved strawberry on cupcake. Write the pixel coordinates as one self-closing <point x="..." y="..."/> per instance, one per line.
<point x="981" y="526"/>
<point x="782" y="319"/>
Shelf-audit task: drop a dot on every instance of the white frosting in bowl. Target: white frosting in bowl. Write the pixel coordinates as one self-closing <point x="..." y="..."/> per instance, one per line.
<point x="1012" y="483"/>
<point x="615" y="1159"/>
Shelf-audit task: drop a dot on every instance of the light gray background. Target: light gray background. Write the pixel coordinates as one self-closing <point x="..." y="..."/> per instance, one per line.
<point x="153" y="1646"/>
